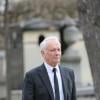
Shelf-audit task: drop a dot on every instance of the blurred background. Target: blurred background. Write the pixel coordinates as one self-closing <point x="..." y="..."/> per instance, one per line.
<point x="23" y="25"/>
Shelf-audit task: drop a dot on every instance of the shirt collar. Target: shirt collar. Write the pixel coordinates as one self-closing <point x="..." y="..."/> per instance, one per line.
<point x="50" y="68"/>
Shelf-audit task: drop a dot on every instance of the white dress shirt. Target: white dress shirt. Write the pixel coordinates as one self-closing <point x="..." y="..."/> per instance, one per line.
<point x="51" y="77"/>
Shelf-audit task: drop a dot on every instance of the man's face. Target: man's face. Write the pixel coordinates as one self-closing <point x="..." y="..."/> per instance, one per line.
<point x="52" y="54"/>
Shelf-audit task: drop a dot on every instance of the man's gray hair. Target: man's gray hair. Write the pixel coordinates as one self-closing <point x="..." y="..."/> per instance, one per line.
<point x="43" y="44"/>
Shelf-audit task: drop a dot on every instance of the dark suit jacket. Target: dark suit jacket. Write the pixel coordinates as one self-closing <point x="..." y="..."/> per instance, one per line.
<point x="37" y="84"/>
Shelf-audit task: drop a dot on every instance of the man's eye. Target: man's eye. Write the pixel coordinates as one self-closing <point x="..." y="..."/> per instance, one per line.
<point x="52" y="50"/>
<point x="59" y="49"/>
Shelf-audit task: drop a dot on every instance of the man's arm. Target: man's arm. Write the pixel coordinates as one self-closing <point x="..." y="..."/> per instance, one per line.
<point x="73" y="97"/>
<point x="27" y="91"/>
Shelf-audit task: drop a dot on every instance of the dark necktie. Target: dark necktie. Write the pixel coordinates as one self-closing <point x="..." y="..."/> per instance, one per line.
<point x="56" y="86"/>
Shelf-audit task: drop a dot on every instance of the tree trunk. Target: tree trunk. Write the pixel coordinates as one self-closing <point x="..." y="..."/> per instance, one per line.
<point x="14" y="55"/>
<point x="89" y="16"/>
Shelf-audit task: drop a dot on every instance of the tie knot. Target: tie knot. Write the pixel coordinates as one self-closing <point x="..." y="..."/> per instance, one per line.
<point x="54" y="70"/>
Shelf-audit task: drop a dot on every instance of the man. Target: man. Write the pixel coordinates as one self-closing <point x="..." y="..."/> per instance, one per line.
<point x="47" y="83"/>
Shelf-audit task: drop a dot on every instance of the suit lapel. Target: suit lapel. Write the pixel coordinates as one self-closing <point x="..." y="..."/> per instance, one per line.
<point x="65" y="83"/>
<point x="45" y="78"/>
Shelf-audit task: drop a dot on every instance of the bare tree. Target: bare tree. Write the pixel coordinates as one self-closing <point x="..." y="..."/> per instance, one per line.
<point x="89" y="15"/>
<point x="46" y="9"/>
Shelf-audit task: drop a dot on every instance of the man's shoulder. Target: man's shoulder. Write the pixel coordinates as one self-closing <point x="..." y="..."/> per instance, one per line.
<point x="34" y="70"/>
<point x="66" y="70"/>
